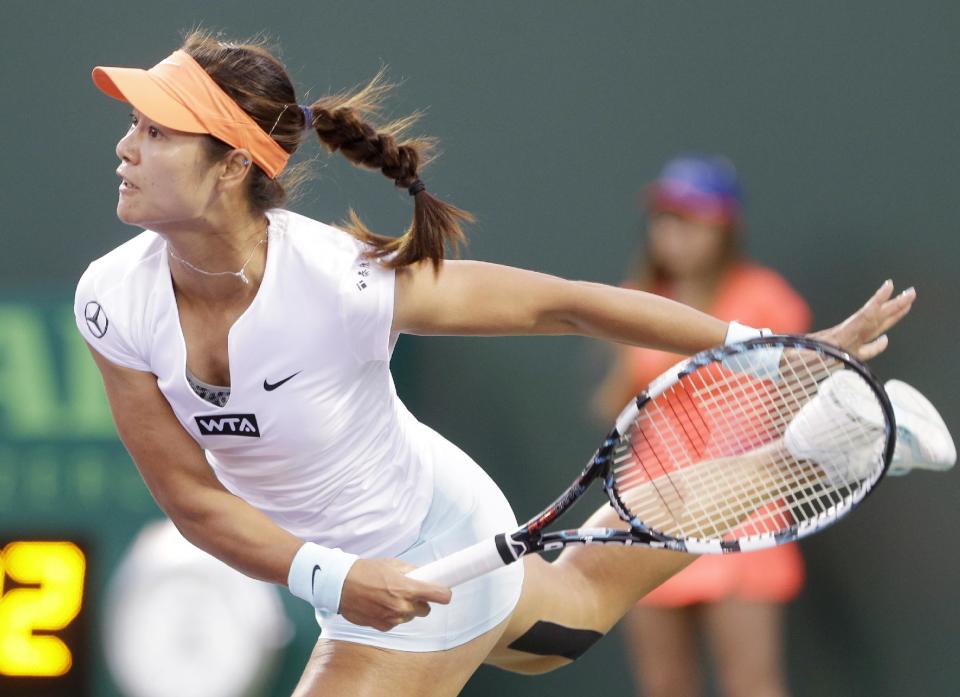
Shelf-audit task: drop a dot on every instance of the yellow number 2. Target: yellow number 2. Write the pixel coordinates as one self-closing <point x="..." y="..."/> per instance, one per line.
<point x="59" y="569"/>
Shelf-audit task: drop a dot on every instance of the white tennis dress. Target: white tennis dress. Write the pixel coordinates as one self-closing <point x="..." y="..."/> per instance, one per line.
<point x="313" y="433"/>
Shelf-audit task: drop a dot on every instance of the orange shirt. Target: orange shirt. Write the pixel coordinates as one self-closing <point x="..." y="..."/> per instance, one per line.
<point x="750" y="294"/>
<point x="758" y="297"/>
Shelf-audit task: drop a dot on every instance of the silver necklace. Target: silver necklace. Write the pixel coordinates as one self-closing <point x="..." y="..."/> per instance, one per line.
<point x="239" y="274"/>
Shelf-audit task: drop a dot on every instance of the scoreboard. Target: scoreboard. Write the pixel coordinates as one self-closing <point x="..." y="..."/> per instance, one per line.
<point x="42" y="587"/>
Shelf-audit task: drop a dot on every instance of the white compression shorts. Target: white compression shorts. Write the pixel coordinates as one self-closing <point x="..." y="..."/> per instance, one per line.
<point x="467" y="506"/>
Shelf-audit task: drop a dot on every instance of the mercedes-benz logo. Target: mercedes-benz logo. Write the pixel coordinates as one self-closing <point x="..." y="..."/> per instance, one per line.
<point x="97" y="321"/>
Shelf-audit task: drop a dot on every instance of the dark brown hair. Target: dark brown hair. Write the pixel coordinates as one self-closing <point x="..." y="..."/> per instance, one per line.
<point x="259" y="83"/>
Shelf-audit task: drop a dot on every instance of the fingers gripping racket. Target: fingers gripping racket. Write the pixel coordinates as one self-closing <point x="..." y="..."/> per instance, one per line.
<point x="737" y="448"/>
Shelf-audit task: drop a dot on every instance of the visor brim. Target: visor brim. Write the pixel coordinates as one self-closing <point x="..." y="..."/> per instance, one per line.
<point x="702" y="208"/>
<point x="138" y="88"/>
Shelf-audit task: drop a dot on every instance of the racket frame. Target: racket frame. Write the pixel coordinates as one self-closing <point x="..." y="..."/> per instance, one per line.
<point x="530" y="537"/>
<point x="507" y="548"/>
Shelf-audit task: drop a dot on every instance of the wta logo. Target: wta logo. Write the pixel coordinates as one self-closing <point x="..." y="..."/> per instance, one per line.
<point x="229" y="425"/>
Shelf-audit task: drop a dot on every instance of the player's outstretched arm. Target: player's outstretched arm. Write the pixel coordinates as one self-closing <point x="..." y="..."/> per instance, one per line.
<point x="481" y="299"/>
<point x="476" y="298"/>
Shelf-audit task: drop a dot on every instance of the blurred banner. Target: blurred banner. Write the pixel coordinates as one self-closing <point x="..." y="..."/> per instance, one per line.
<point x="64" y="478"/>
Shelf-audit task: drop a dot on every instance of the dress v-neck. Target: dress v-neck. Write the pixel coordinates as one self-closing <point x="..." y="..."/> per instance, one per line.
<point x="268" y="274"/>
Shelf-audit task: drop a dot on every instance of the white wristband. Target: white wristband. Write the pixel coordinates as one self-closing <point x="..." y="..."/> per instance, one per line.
<point x="737" y="332"/>
<point x="317" y="575"/>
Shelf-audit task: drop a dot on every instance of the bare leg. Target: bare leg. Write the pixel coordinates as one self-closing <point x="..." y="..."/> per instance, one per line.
<point x="591" y="587"/>
<point x="746" y="641"/>
<point x="662" y="650"/>
<point x="587" y="587"/>
<point x="344" y="669"/>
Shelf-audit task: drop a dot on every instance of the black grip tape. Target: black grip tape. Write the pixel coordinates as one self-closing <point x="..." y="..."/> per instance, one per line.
<point x="504" y="549"/>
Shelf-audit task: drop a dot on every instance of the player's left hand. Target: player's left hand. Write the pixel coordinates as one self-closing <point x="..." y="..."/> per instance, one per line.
<point x="863" y="334"/>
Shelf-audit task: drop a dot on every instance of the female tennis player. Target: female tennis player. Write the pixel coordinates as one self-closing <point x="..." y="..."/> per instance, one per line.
<point x="245" y="353"/>
<point x="736" y="602"/>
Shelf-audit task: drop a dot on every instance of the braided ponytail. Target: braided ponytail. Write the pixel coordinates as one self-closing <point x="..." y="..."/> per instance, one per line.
<point x="259" y="83"/>
<point x="340" y="122"/>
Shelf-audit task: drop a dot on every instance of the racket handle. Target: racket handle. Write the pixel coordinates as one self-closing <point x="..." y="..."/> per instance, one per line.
<point x="468" y="563"/>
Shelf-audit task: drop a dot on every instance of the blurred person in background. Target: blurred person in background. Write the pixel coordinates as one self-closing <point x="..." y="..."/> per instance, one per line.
<point x="692" y="254"/>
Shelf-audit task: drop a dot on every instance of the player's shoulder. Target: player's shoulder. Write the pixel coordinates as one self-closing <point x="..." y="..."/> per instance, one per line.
<point x="116" y="298"/>
<point x="312" y="237"/>
<point x="322" y="251"/>
<point x="126" y="267"/>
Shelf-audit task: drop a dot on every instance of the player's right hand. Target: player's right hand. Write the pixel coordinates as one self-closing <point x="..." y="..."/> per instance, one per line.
<point x="377" y="593"/>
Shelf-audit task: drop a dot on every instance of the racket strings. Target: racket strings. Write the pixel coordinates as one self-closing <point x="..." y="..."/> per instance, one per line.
<point x="749" y="427"/>
<point x="708" y="458"/>
<point x="795" y="483"/>
<point x="792" y="499"/>
<point x="706" y="509"/>
<point x="779" y="406"/>
<point x="673" y="506"/>
<point x="676" y="515"/>
<point x="733" y="446"/>
<point x="780" y="409"/>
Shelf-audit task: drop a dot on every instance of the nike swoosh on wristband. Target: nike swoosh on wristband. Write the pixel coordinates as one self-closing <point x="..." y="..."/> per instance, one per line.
<point x="270" y="387"/>
<point x="313" y="579"/>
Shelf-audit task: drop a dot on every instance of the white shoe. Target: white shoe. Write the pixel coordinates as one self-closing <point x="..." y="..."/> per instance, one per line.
<point x="923" y="441"/>
<point x="841" y="429"/>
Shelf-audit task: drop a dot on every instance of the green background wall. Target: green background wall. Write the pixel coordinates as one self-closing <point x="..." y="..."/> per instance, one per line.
<point x="842" y="118"/>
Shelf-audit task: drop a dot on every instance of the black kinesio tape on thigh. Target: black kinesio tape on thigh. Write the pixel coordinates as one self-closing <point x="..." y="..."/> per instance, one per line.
<point x="549" y="639"/>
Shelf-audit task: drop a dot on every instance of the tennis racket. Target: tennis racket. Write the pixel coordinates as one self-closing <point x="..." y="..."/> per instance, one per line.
<point x="737" y="448"/>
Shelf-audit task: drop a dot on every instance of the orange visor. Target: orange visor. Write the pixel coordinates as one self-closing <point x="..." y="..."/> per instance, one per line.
<point x="179" y="94"/>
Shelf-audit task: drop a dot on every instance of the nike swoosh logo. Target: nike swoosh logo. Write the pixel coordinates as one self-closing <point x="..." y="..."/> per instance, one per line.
<point x="313" y="579"/>
<point x="270" y="387"/>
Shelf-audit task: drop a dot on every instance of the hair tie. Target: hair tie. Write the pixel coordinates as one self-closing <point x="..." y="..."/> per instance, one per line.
<point x="416" y="187"/>
<point x="307" y="116"/>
